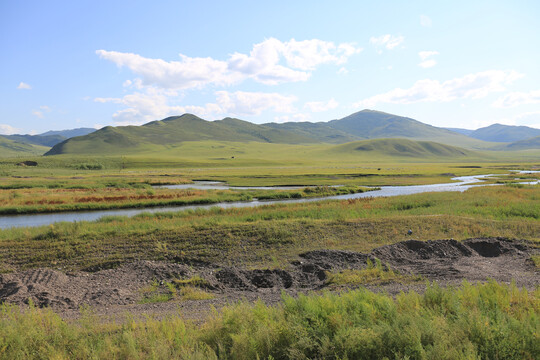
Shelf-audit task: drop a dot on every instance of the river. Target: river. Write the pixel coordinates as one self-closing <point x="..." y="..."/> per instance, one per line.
<point x="462" y="183"/>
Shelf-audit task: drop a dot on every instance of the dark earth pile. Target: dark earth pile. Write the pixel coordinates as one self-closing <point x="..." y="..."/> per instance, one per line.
<point x="444" y="261"/>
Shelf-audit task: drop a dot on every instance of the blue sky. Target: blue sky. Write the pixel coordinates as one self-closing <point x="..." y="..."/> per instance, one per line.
<point x="69" y="64"/>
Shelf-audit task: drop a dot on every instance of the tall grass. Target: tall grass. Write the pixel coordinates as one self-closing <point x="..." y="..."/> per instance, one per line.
<point x="485" y="321"/>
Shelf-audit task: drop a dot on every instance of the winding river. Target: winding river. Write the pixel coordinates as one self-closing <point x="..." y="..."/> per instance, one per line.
<point x="462" y="183"/>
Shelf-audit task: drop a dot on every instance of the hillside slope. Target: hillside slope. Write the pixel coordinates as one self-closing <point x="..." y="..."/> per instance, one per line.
<point x="172" y="131"/>
<point x="532" y="143"/>
<point x="13" y="148"/>
<point x="370" y="124"/>
<point x="505" y="133"/>
<point x="377" y="148"/>
<point x="69" y="133"/>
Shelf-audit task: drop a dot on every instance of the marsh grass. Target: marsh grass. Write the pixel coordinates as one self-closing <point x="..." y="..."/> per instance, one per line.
<point x="482" y="321"/>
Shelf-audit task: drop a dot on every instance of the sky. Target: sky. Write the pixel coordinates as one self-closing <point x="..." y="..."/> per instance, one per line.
<point x="70" y="64"/>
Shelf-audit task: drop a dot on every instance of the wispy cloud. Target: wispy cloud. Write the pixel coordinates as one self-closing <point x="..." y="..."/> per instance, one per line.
<point x="425" y="56"/>
<point x="41" y="112"/>
<point x="6" y="129"/>
<point x="471" y="86"/>
<point x="517" y="98"/>
<point x="388" y="41"/>
<point x="24" y="86"/>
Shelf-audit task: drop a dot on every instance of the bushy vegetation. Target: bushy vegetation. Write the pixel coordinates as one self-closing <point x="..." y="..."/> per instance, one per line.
<point x="484" y="321"/>
<point x="86" y="166"/>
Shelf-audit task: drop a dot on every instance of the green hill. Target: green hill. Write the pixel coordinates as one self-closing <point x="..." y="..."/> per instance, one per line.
<point x="370" y="124"/>
<point x="380" y="148"/>
<point x="532" y="143"/>
<point x="47" y="140"/>
<point x="69" y="133"/>
<point x="13" y="148"/>
<point x="172" y="131"/>
<point x="317" y="131"/>
<point x="505" y="133"/>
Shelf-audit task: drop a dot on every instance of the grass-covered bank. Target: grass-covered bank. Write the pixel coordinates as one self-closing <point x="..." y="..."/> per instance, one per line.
<point x="264" y="235"/>
<point x="484" y="321"/>
<point x="37" y="200"/>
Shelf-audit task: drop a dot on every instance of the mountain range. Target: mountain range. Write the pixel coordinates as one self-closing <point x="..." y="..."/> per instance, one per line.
<point x="174" y="130"/>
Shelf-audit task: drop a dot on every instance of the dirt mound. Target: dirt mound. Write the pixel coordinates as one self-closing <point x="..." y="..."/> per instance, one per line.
<point x="473" y="259"/>
<point x="440" y="260"/>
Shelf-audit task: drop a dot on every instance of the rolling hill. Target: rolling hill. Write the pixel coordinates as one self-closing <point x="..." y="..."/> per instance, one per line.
<point x="13" y="148"/>
<point x="370" y="124"/>
<point x="378" y="148"/>
<point x="531" y="143"/>
<point x="366" y="124"/>
<point x="504" y="133"/>
<point x="66" y="134"/>
<point x="172" y="131"/>
<point x="49" y="138"/>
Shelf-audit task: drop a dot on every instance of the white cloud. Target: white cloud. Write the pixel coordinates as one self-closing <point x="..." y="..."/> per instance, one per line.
<point x="45" y="108"/>
<point x="472" y="86"/>
<point x="425" y="57"/>
<point x="425" y="21"/>
<point x="320" y="106"/>
<point x="270" y="62"/>
<point x="388" y="41"/>
<point x="24" y="86"/>
<point x="343" y="70"/>
<point x="142" y="107"/>
<point x="428" y="63"/>
<point x="6" y="129"/>
<point x="253" y="103"/>
<point x="426" y="54"/>
<point x="187" y="73"/>
<point x="518" y="98"/>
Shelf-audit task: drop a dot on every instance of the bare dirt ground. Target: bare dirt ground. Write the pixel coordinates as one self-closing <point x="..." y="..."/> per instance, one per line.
<point x="113" y="293"/>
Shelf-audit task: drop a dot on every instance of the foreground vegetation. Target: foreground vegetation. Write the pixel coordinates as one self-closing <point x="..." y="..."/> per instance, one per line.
<point x="485" y="321"/>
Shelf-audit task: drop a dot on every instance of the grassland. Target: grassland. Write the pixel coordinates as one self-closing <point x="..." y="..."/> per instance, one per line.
<point x="256" y="236"/>
<point x="480" y="321"/>
<point x="488" y="321"/>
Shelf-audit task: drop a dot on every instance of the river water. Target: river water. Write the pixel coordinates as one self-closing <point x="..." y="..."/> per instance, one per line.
<point x="462" y="183"/>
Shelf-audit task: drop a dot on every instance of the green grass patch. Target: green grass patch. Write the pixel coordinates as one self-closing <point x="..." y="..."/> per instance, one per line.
<point x="373" y="273"/>
<point x="193" y="293"/>
<point x="536" y="260"/>
<point x="483" y="321"/>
